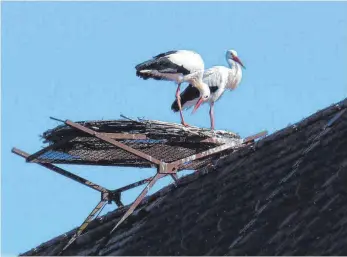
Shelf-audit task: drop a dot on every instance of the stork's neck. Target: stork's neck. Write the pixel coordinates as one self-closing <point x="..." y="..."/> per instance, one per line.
<point x="201" y="86"/>
<point x="235" y="74"/>
<point x="205" y="89"/>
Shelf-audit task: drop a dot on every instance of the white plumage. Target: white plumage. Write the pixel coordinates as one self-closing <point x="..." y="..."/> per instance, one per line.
<point x="178" y="66"/>
<point x="189" y="60"/>
<point x="218" y="78"/>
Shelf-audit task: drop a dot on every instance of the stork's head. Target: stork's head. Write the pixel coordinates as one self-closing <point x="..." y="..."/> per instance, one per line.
<point x="232" y="55"/>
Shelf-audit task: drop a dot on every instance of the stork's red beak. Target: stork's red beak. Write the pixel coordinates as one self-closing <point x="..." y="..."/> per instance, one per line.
<point x="236" y="59"/>
<point x="197" y="105"/>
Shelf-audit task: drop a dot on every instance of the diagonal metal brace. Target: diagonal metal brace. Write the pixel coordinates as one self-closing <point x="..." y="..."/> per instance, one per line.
<point x="106" y="195"/>
<point x="130" y="186"/>
<point x="85" y="223"/>
<point x="172" y="167"/>
<point x="165" y="169"/>
<point x="111" y="195"/>
<point x="138" y="200"/>
<point x="250" y="139"/>
<point x="112" y="142"/>
<point x="64" y="172"/>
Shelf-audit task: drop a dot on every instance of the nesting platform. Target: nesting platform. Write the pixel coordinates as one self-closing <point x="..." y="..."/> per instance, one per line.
<point x="166" y="142"/>
<point x="168" y="147"/>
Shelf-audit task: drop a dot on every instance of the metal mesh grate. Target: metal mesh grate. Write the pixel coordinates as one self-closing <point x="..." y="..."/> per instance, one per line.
<point x="166" y="142"/>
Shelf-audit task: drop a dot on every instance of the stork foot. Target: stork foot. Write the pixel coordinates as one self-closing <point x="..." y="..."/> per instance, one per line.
<point x="185" y="124"/>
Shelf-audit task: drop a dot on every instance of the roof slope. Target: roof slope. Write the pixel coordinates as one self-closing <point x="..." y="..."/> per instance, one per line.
<point x="285" y="195"/>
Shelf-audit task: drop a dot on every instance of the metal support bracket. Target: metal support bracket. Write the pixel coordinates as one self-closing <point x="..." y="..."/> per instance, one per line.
<point x="109" y="196"/>
<point x="165" y="169"/>
<point x="63" y="172"/>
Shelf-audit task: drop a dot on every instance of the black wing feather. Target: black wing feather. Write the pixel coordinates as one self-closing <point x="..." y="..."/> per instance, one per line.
<point x="189" y="94"/>
<point x="165" y="54"/>
<point x="213" y="89"/>
<point x="160" y="63"/>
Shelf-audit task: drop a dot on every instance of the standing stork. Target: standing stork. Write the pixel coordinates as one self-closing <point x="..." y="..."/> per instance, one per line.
<point x="178" y="66"/>
<point x="218" y="78"/>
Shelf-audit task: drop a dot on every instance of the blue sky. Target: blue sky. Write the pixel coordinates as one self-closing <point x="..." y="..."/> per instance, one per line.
<point x="76" y="61"/>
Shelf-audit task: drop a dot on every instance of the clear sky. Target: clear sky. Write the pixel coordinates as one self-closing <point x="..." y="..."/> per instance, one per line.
<point x="76" y="61"/>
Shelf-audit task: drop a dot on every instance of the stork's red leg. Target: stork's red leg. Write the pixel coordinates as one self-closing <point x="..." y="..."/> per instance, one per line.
<point x="212" y="115"/>
<point x="178" y="97"/>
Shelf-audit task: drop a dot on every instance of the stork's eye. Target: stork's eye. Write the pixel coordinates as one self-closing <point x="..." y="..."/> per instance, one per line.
<point x="205" y="96"/>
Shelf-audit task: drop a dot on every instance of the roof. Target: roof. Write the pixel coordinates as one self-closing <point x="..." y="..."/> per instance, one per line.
<point x="284" y="195"/>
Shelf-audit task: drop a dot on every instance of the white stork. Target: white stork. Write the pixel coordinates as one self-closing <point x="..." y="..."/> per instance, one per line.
<point x="178" y="66"/>
<point x="218" y="78"/>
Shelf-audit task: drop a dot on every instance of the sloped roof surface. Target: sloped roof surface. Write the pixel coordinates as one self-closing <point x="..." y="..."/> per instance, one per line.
<point x="285" y="195"/>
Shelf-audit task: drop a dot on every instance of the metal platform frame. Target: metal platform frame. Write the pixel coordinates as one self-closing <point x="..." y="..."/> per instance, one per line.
<point x="109" y="196"/>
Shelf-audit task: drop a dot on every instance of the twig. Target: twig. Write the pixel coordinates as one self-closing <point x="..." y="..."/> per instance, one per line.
<point x="127" y="118"/>
<point x="52" y="118"/>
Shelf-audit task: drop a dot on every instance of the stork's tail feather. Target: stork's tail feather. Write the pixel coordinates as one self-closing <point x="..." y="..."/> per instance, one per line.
<point x="142" y="75"/>
<point x="147" y="75"/>
<point x="147" y="65"/>
<point x="144" y="70"/>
